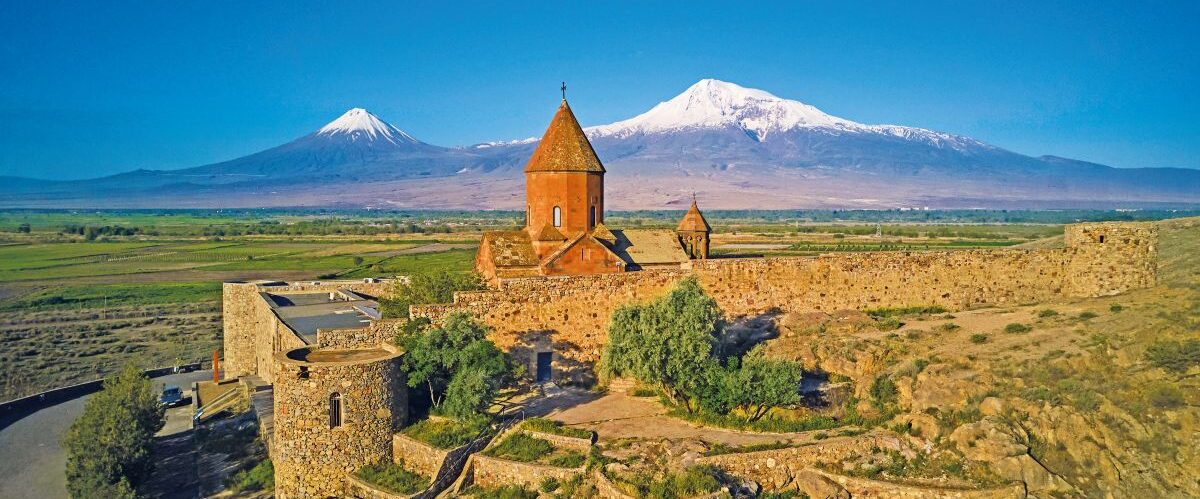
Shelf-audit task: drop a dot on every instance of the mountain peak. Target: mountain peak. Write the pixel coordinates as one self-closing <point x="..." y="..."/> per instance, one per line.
<point x="360" y="123"/>
<point x="711" y="103"/>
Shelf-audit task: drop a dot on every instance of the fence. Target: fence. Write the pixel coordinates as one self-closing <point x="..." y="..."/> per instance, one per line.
<point x="13" y="410"/>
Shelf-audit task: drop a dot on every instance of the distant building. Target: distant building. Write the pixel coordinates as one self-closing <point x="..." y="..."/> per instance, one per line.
<point x="564" y="231"/>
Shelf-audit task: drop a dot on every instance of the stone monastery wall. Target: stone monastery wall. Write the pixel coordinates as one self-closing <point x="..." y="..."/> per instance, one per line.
<point x="569" y="315"/>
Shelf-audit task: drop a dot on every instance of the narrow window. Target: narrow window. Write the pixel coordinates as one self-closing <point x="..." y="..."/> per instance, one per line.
<point x="592" y="218"/>
<point x="1101" y="239"/>
<point x="335" y="410"/>
<point x="527" y="210"/>
<point x="557" y="217"/>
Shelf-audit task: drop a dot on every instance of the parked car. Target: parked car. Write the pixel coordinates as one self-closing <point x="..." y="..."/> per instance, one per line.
<point x="171" y="396"/>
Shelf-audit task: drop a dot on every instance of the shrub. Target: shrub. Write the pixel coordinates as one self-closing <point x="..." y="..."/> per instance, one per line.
<point x="1116" y="307"/>
<point x="914" y="310"/>
<point x="694" y="481"/>
<point x="1017" y="328"/>
<point x="949" y="326"/>
<point x="1174" y="356"/>
<point x="394" y="477"/>
<point x="1047" y="313"/>
<point x="888" y="324"/>
<point x="1165" y="395"/>
<point x="1088" y="315"/>
<point x="978" y="338"/>
<point x="550" y="484"/>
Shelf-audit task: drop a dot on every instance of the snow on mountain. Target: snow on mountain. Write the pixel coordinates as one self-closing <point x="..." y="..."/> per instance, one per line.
<point x="359" y="123"/>
<point x="713" y="103"/>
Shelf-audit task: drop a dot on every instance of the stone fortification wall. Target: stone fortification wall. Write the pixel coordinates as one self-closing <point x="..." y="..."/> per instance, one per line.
<point x="1110" y="258"/>
<point x="311" y="458"/>
<point x="776" y="468"/>
<point x="253" y="333"/>
<point x="569" y="315"/>
<point x="418" y="456"/>
<point x="490" y="471"/>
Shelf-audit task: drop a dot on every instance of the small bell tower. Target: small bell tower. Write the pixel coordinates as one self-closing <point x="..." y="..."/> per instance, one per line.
<point x="693" y="232"/>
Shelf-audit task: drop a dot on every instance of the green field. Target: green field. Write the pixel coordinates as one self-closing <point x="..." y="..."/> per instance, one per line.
<point x="82" y="292"/>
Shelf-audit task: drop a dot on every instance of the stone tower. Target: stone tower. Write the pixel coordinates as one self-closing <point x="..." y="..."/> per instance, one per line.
<point x="564" y="182"/>
<point x="335" y="412"/>
<point x="693" y="233"/>
<point x="1109" y="258"/>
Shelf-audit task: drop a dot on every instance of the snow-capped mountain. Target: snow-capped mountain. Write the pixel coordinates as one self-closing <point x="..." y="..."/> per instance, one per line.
<point x="735" y="147"/>
<point x="358" y="123"/>
<point x="715" y="104"/>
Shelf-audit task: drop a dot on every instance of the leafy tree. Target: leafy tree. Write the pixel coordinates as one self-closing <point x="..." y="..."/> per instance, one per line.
<point x="456" y="362"/>
<point x="761" y="384"/>
<point x="428" y="288"/>
<point x="23" y="228"/>
<point x="108" y="446"/>
<point x="667" y="343"/>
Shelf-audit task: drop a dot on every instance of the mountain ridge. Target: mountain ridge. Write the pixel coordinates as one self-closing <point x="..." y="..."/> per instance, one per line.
<point x="739" y="147"/>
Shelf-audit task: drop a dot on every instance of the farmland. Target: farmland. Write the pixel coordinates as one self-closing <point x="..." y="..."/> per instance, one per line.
<point x="83" y="292"/>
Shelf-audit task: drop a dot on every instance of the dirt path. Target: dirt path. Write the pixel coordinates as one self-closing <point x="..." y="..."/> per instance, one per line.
<point x="619" y="416"/>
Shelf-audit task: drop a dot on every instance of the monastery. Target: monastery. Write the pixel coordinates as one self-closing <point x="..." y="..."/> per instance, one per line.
<point x="339" y="395"/>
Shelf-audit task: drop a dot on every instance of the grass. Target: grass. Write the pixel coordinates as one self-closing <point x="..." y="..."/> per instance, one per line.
<point x="505" y="492"/>
<point x="901" y="311"/>
<point x="1047" y="313"/>
<point x="446" y="433"/>
<point x="260" y="477"/>
<point x="113" y="295"/>
<point x="527" y="449"/>
<point x="768" y="424"/>
<point x="643" y="392"/>
<point x="693" y="481"/>
<point x="394" y="477"/>
<point x="979" y="338"/>
<point x="555" y="428"/>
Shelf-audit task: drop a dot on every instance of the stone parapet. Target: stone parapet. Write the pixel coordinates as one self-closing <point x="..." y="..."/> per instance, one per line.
<point x="418" y="456"/>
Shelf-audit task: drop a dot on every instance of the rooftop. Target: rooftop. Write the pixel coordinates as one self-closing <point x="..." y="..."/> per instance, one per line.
<point x="564" y="147"/>
<point x="305" y="313"/>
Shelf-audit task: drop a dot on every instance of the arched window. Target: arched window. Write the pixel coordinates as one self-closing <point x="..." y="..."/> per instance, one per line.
<point x="335" y="410"/>
<point x="557" y="217"/>
<point x="592" y="218"/>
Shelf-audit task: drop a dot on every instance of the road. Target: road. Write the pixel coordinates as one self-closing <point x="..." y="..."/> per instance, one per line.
<point x="32" y="460"/>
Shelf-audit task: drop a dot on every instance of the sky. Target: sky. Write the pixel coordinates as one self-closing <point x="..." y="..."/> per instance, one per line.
<point x="96" y="88"/>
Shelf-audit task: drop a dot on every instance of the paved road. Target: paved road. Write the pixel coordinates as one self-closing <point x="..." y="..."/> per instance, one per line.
<point x="31" y="458"/>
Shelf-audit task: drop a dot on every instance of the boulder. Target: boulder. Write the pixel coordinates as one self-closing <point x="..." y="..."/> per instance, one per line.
<point x="817" y="486"/>
<point x="991" y="406"/>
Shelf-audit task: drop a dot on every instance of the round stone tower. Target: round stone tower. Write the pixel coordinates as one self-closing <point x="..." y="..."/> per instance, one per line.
<point x="335" y="412"/>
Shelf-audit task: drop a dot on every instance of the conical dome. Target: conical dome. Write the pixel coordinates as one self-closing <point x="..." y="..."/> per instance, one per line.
<point x="693" y="221"/>
<point x="564" y="147"/>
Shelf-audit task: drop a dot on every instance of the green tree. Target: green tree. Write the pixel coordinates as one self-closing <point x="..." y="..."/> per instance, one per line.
<point x="456" y="362"/>
<point x="23" y="228"/>
<point x="428" y="288"/>
<point x="667" y="343"/>
<point x="108" y="445"/>
<point x="760" y="384"/>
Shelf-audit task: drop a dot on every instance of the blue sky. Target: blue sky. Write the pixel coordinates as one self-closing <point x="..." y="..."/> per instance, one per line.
<point x="94" y="88"/>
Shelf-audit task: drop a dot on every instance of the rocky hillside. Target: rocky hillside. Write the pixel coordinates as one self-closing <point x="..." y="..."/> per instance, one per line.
<point x="1094" y="398"/>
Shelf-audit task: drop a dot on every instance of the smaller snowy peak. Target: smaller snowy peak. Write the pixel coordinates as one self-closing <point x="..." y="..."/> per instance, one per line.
<point x="502" y="143"/>
<point x="359" y="123"/>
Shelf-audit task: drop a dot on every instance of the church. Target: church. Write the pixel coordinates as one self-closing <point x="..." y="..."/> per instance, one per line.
<point x="564" y="232"/>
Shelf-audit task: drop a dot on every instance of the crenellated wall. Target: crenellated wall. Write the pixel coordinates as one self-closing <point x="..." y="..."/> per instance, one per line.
<point x="569" y="315"/>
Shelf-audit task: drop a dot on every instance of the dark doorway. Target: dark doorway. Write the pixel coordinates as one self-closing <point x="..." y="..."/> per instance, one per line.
<point x="543" y="366"/>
